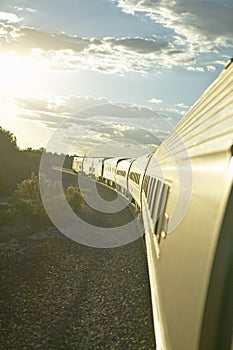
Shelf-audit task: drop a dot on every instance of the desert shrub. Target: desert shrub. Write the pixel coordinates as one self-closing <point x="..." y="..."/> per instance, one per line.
<point x="74" y="198"/>
<point x="7" y="213"/>
<point x="27" y="204"/>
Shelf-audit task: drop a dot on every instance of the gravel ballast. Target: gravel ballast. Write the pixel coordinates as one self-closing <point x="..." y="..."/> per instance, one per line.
<point x="58" y="294"/>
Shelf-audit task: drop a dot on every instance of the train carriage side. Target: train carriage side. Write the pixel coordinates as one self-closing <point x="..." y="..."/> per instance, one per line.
<point x="77" y="164"/>
<point x="98" y="168"/>
<point x="193" y="173"/>
<point x="135" y="178"/>
<point x="122" y="172"/>
<point x="109" y="173"/>
<point x="88" y="166"/>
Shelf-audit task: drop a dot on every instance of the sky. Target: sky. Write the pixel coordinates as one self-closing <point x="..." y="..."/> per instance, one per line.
<point x="96" y="76"/>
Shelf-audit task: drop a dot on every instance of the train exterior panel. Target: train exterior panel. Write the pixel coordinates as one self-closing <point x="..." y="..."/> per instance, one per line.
<point x="88" y="166"/>
<point x="98" y="165"/>
<point x="122" y="172"/>
<point x="135" y="178"/>
<point x="196" y="165"/>
<point x="77" y="164"/>
<point x="109" y="173"/>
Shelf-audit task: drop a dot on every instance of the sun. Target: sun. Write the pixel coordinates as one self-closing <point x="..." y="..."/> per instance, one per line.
<point x="20" y="77"/>
<point x="18" y="73"/>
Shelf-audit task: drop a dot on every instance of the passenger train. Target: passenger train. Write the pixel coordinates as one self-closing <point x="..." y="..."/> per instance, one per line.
<point x="184" y="192"/>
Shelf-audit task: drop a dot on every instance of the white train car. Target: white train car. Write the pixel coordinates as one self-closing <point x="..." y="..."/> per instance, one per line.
<point x="135" y="178"/>
<point x="109" y="173"/>
<point x="77" y="164"/>
<point x="88" y="166"/>
<point x="122" y="172"/>
<point x="187" y="203"/>
<point x="98" y="166"/>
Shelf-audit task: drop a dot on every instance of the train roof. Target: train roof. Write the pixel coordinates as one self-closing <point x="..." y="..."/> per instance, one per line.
<point x="228" y="63"/>
<point x="78" y="158"/>
<point x="124" y="162"/>
<point x="116" y="159"/>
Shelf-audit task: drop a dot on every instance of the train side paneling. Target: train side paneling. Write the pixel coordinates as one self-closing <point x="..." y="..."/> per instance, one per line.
<point x="155" y="191"/>
<point x="191" y="175"/>
<point x="77" y="164"/>
<point x="88" y="166"/>
<point x="122" y="171"/>
<point x="98" y="164"/>
<point x="135" y="178"/>
<point x="109" y="172"/>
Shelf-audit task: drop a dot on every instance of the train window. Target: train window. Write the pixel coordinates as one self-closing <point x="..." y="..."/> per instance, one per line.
<point x="147" y="183"/>
<point x="121" y="173"/>
<point x="161" y="216"/>
<point x="149" y="186"/>
<point x="135" y="177"/>
<point x="155" y="201"/>
<point x="144" y="185"/>
<point x="150" y="197"/>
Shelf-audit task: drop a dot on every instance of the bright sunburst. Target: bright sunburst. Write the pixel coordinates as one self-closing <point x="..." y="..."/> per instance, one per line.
<point x="19" y="74"/>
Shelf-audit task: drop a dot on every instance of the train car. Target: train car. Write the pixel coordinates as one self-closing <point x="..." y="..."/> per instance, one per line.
<point x="88" y="166"/>
<point x="122" y="172"/>
<point x="187" y="203"/>
<point x="77" y="165"/>
<point x="135" y="178"/>
<point x="109" y="172"/>
<point x="98" y="167"/>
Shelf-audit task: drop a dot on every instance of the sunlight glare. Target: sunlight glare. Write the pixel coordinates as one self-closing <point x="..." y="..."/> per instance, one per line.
<point x="19" y="74"/>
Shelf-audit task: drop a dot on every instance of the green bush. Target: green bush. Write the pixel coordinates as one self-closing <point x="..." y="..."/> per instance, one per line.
<point x="7" y="213"/>
<point x="74" y="198"/>
<point x="27" y="204"/>
<point x="24" y="212"/>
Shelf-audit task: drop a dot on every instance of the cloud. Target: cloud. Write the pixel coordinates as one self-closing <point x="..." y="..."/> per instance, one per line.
<point x="181" y="105"/>
<point x="140" y="45"/>
<point x="156" y="100"/>
<point x="203" y="25"/>
<point x="190" y="29"/>
<point x="29" y="9"/>
<point x="111" y="55"/>
<point x="30" y="38"/>
<point x="82" y="107"/>
<point x="211" y="68"/>
<point x="48" y="118"/>
<point x="96" y="121"/>
<point x="187" y="33"/>
<point x="64" y="105"/>
<point x="195" y="69"/>
<point x="220" y="62"/>
<point x="114" y="140"/>
<point x="172" y="110"/>
<point x="8" y="17"/>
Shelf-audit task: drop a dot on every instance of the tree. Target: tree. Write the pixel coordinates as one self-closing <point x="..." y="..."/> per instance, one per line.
<point x="7" y="140"/>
